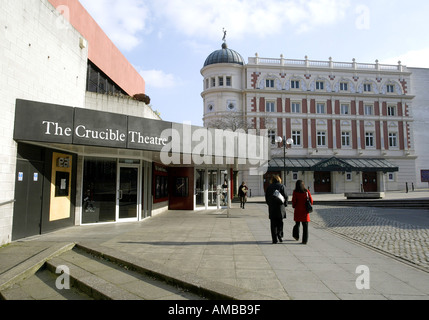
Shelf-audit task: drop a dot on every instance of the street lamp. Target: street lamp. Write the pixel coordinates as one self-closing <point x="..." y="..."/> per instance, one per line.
<point x="286" y="143"/>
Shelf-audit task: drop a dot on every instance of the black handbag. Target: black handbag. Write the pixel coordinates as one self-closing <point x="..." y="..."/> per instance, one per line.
<point x="308" y="205"/>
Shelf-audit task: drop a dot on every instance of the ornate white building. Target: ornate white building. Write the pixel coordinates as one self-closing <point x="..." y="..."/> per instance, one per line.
<point x="352" y="123"/>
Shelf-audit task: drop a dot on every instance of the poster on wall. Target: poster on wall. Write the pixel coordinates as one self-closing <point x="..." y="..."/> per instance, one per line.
<point x="160" y="183"/>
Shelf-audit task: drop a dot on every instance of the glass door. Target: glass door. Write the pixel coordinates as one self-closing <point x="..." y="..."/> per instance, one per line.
<point x="128" y="193"/>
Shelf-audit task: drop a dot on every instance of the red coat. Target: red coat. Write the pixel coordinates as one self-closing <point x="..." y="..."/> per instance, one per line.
<point x="298" y="203"/>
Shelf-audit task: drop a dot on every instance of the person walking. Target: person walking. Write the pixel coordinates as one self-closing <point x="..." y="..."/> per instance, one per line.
<point x="225" y="193"/>
<point x="301" y="215"/>
<point x="242" y="193"/>
<point x="276" y="208"/>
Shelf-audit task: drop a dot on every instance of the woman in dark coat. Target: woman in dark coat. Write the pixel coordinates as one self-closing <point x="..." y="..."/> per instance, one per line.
<point x="277" y="212"/>
<point x="242" y="193"/>
<point x="301" y="214"/>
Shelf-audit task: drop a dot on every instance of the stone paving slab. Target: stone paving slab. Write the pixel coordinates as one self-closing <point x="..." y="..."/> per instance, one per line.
<point x="208" y="247"/>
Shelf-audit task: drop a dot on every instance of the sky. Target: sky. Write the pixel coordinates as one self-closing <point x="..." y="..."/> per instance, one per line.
<point x="168" y="41"/>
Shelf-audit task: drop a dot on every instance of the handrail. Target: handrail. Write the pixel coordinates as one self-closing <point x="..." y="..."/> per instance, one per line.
<point x="7" y="202"/>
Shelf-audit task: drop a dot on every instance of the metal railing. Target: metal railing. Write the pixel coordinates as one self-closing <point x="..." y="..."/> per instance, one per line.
<point x="7" y="202"/>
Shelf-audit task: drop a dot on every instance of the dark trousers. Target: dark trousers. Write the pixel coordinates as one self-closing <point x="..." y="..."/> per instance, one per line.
<point x="305" y="231"/>
<point x="242" y="202"/>
<point x="276" y="229"/>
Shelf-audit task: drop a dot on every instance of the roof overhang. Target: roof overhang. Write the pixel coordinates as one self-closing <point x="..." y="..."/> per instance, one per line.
<point x="332" y="164"/>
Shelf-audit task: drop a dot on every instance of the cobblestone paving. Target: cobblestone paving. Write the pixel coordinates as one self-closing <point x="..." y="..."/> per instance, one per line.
<point x="402" y="240"/>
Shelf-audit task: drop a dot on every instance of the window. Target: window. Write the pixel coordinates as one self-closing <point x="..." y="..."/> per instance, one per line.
<point x="97" y="81"/>
<point x="344" y="109"/>
<point x="393" y="140"/>
<point x="269" y="83"/>
<point x="207" y="83"/>
<point x="390" y="88"/>
<point x="367" y="87"/>
<point x="294" y="84"/>
<point x="213" y="82"/>
<point x="344" y="86"/>
<point x="391" y="111"/>
<point x="296" y="136"/>
<point x="345" y="139"/>
<point x="320" y="85"/>
<point x="220" y="81"/>
<point x="368" y="110"/>
<point x="391" y="176"/>
<point x="296" y="107"/>
<point x="349" y="176"/>
<point x="272" y="136"/>
<point x="99" y="190"/>
<point x="321" y="139"/>
<point x="369" y="139"/>
<point x="269" y="107"/>
<point x="295" y="176"/>
<point x="320" y="108"/>
<point x="228" y="82"/>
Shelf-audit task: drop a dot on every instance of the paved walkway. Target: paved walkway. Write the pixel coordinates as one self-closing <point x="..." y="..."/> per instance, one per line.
<point x="237" y="251"/>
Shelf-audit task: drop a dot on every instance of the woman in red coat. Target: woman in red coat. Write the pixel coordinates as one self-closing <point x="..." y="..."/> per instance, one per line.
<point x="301" y="214"/>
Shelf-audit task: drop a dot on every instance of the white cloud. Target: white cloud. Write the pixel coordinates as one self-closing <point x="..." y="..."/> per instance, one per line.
<point x="206" y="18"/>
<point x="414" y="58"/>
<point x="122" y="20"/>
<point x="159" y="79"/>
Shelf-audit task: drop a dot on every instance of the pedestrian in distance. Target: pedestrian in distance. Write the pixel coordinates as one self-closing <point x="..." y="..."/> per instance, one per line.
<point x="242" y="193"/>
<point x="301" y="214"/>
<point x="225" y="193"/>
<point x="276" y="198"/>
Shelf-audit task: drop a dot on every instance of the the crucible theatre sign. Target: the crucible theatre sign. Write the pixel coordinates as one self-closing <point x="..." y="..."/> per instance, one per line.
<point x="47" y="123"/>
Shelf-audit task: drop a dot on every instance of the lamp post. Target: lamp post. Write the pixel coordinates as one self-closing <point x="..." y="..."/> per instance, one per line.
<point x="286" y="143"/>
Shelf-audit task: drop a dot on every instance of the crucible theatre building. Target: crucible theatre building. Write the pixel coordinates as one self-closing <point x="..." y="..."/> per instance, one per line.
<point x="77" y="149"/>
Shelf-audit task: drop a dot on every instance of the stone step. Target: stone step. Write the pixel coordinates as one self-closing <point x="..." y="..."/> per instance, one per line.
<point x="91" y="278"/>
<point x="104" y="280"/>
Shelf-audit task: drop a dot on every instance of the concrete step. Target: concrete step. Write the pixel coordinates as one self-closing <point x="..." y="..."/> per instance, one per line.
<point x="41" y="286"/>
<point x="104" y="280"/>
<point x="92" y="278"/>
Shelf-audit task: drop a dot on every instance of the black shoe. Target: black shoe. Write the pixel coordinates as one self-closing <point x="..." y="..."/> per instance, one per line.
<point x="280" y="240"/>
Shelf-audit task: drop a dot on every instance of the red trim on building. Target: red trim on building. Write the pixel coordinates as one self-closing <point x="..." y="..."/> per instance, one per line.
<point x="101" y="50"/>
<point x="386" y="135"/>
<point x="378" y="135"/>
<point x="313" y="133"/>
<point x="330" y="134"/>
<point x="338" y="129"/>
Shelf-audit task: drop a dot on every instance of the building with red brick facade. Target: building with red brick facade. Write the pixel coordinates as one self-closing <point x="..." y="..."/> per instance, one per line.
<point x="351" y="123"/>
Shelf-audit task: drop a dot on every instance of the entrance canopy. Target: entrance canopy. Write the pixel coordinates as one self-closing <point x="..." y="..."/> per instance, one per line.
<point x="86" y="131"/>
<point x="332" y="164"/>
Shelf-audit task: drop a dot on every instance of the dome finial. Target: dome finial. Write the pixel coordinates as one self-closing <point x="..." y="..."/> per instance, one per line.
<point x="224" y="45"/>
